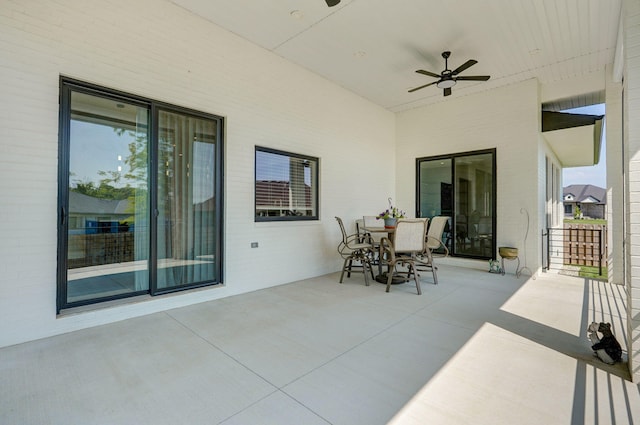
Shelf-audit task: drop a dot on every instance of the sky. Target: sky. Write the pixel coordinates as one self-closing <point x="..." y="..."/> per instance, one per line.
<point x="596" y="174"/>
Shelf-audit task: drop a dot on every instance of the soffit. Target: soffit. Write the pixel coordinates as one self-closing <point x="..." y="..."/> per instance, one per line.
<point x="574" y="138"/>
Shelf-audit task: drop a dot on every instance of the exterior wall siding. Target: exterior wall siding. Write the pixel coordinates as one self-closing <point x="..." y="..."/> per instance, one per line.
<point x="160" y="51"/>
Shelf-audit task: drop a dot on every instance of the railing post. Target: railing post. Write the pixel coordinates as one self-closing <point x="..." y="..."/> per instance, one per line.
<point x="600" y="252"/>
<point x="548" y="249"/>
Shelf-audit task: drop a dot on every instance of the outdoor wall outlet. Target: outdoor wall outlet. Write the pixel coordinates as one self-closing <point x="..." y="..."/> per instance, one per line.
<point x="254" y="244"/>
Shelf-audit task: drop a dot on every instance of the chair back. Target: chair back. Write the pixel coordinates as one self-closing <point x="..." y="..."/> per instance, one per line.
<point x="372" y="221"/>
<point x="344" y="232"/>
<point x="359" y="229"/>
<point x="434" y="235"/>
<point x="410" y="235"/>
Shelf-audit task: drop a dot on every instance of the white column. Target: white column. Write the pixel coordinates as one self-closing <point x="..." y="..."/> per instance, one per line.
<point x="631" y="129"/>
<point x="615" y="198"/>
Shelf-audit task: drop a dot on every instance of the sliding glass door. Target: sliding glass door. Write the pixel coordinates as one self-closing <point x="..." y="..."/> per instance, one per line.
<point x="463" y="188"/>
<point x="107" y="248"/>
<point x="139" y="197"/>
<point x="186" y="243"/>
<point x="474" y="197"/>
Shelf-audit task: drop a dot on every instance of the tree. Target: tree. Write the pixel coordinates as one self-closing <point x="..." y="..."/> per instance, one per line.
<point x="577" y="213"/>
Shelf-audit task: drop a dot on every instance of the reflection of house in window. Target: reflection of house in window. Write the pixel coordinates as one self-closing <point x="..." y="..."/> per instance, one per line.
<point x="100" y="231"/>
<point x="276" y="199"/>
<point x="94" y="215"/>
<point x="286" y="186"/>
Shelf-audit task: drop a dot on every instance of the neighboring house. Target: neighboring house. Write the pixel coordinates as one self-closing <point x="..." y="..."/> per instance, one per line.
<point x="592" y="201"/>
<point x="94" y="215"/>
<point x="275" y="198"/>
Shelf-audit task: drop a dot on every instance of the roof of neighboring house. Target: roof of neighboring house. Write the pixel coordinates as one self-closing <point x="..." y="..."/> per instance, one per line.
<point x="80" y="203"/>
<point x="275" y="192"/>
<point x="587" y="193"/>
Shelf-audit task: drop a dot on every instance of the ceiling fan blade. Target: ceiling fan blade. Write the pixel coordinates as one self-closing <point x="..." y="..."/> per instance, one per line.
<point x="430" y="74"/>
<point x="464" y="66"/>
<point x="332" y="3"/>
<point x="473" y="78"/>
<point x="421" y="87"/>
<point x="447" y="91"/>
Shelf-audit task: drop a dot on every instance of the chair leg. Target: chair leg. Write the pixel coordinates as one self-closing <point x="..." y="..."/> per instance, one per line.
<point x="350" y="266"/>
<point x="371" y="271"/>
<point x="344" y="267"/>
<point x="390" y="276"/>
<point x="365" y="266"/>
<point x="433" y="267"/>
<point x="364" y="262"/>
<point x="415" y="277"/>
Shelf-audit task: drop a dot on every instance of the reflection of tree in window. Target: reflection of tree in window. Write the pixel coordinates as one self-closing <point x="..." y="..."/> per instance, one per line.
<point x="113" y="184"/>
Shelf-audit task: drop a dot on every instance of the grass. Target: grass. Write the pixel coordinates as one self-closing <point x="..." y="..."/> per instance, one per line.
<point x="592" y="272"/>
<point x="585" y="221"/>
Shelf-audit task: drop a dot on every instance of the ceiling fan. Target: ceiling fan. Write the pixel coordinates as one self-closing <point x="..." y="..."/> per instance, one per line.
<point x="448" y="78"/>
<point x="332" y="3"/>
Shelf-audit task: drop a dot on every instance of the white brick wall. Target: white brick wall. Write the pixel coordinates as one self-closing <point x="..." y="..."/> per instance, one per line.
<point x="505" y="119"/>
<point x="160" y="51"/>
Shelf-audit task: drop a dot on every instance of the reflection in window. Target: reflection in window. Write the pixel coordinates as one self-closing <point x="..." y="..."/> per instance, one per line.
<point x="107" y="240"/>
<point x="286" y="186"/>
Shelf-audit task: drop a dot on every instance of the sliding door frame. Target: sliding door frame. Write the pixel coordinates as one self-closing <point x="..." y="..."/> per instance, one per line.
<point x="453" y="157"/>
<point x="67" y="87"/>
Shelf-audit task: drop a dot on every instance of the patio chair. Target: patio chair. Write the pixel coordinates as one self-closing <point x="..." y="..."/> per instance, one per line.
<point x="360" y="230"/>
<point x="370" y="221"/>
<point x="433" y="243"/>
<point x="409" y="241"/>
<point x="353" y="249"/>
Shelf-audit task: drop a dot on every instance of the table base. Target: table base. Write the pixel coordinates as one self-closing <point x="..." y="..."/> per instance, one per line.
<point x="395" y="280"/>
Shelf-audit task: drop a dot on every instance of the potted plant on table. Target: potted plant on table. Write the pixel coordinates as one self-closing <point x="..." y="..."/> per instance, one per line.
<point x="390" y="215"/>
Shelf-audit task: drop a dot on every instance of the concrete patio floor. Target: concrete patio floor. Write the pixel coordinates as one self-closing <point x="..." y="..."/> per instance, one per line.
<point x="478" y="348"/>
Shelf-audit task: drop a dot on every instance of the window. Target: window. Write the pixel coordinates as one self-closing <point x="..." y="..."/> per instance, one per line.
<point x="139" y="196"/>
<point x="286" y="186"/>
<point x="462" y="187"/>
<point x="568" y="209"/>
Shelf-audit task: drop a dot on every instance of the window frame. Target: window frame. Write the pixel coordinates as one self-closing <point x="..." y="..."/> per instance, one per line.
<point x="314" y="186"/>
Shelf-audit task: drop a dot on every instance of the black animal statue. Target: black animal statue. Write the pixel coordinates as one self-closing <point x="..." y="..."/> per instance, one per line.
<point x="606" y="348"/>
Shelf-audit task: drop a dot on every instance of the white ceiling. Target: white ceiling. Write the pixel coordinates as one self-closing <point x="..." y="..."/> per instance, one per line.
<point x="374" y="47"/>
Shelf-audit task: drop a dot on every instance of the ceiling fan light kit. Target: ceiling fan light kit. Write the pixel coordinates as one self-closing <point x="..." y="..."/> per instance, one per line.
<point x="445" y="84"/>
<point x="448" y="78"/>
<point x="332" y="3"/>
